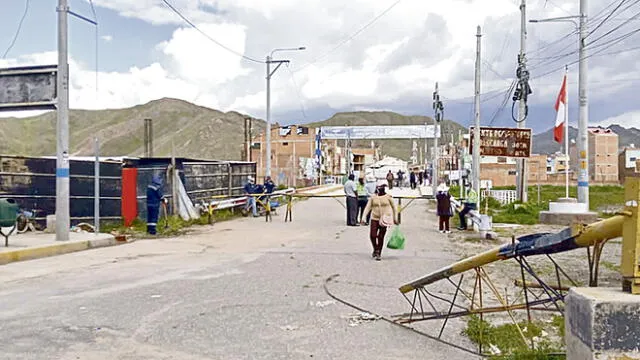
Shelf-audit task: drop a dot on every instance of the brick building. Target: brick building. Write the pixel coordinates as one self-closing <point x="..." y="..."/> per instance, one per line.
<point x="292" y="152"/>
<point x="627" y="162"/>
<point x="603" y="155"/>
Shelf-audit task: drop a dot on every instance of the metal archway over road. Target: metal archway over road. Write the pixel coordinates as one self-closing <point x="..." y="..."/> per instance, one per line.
<point x="378" y="132"/>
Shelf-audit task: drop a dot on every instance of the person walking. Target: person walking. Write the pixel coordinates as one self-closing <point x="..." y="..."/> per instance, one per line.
<point x="362" y="199"/>
<point x="412" y="179"/>
<point x="420" y="177"/>
<point x="383" y="215"/>
<point x="469" y="204"/>
<point x="444" y="208"/>
<point x="154" y="197"/>
<point x="390" y="179"/>
<point x="351" y="193"/>
<point x="400" y="178"/>
<point x="370" y="187"/>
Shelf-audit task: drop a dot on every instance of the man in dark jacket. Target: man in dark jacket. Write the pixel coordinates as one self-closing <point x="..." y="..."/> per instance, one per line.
<point x="154" y="198"/>
<point x="269" y="185"/>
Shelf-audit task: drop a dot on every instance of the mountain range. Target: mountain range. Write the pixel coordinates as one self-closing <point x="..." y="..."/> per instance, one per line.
<point x="199" y="132"/>
<point x="544" y="143"/>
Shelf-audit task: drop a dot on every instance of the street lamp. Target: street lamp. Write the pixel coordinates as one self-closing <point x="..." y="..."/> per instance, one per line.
<point x="269" y="74"/>
<point x="583" y="120"/>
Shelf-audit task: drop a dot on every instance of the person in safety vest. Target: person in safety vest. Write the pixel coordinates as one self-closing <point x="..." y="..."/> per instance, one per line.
<point x="471" y="203"/>
<point x="154" y="198"/>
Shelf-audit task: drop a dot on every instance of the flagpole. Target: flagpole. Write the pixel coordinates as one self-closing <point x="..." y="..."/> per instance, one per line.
<point x="566" y="127"/>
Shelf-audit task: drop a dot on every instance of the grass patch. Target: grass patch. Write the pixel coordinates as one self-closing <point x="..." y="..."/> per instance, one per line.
<point x="506" y="338"/>
<point x="611" y="266"/>
<point x="558" y="322"/>
<point x="601" y="197"/>
<point x="171" y="226"/>
<point x="524" y="214"/>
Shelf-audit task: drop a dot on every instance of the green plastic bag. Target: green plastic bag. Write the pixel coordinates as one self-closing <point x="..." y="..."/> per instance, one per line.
<point x="396" y="241"/>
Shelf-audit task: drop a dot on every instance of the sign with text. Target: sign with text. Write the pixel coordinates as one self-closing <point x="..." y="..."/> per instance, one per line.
<point x="28" y="88"/>
<point x="378" y="132"/>
<point x="507" y="142"/>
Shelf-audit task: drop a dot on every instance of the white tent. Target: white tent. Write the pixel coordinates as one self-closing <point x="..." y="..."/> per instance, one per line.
<point x="382" y="167"/>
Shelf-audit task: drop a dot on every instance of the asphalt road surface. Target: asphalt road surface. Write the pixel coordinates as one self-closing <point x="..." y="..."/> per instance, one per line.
<point x="242" y="289"/>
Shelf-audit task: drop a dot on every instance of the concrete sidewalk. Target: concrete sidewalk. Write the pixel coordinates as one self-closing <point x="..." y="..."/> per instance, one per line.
<point x="36" y="245"/>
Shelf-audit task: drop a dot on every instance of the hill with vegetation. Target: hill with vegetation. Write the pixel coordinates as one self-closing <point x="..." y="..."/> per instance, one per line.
<point x="196" y="131"/>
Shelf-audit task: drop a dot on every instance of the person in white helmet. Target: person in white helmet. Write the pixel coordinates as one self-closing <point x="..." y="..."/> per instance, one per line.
<point x="383" y="215"/>
<point x="249" y="190"/>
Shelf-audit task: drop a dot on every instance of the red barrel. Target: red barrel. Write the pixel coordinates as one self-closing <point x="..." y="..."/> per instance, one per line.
<point x="129" y="195"/>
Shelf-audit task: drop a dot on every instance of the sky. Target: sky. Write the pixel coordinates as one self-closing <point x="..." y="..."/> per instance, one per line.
<point x="361" y="55"/>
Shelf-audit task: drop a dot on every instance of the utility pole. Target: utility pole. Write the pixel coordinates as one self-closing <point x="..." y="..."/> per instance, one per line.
<point x="438" y="110"/>
<point x="583" y="121"/>
<point x="62" y="127"/>
<point x="270" y="73"/>
<point x="476" y="128"/>
<point x="523" y="79"/>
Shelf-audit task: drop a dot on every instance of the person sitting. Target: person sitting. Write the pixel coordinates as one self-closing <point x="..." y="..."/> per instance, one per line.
<point x="470" y="204"/>
<point x="250" y="188"/>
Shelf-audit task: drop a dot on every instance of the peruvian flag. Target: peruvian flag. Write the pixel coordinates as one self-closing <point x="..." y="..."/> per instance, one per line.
<point x="561" y="106"/>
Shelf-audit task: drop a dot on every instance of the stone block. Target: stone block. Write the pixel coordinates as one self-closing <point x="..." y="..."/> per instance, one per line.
<point x="51" y="224"/>
<point x="602" y="324"/>
<point x="567" y="219"/>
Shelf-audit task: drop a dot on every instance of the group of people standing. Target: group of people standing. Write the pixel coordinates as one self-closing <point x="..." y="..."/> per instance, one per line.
<point x="375" y="208"/>
<point x="416" y="178"/>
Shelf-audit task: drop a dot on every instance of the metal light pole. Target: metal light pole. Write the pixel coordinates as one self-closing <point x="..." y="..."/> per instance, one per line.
<point x="438" y="109"/>
<point x="583" y="120"/>
<point x="62" y="128"/>
<point x="476" y="128"/>
<point x="270" y="73"/>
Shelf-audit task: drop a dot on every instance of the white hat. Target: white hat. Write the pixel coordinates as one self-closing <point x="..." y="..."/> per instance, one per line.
<point x="381" y="183"/>
<point x="250" y="179"/>
<point x="443" y="188"/>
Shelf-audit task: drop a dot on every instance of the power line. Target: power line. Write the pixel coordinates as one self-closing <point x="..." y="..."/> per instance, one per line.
<point x="166" y="2"/>
<point x="606" y="18"/>
<point x="351" y="37"/>
<point x="597" y="53"/>
<point x="15" y="37"/>
<point x="615" y="28"/>
<point x="505" y="101"/>
<point x="295" y="85"/>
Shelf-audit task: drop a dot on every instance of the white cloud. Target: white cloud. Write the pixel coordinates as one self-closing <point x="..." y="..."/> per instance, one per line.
<point x="107" y="38"/>
<point x="398" y="57"/>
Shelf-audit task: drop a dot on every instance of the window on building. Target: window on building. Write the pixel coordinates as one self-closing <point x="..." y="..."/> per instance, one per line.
<point x="285" y="144"/>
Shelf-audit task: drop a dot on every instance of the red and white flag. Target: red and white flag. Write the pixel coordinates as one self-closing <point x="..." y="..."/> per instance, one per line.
<point x="561" y="106"/>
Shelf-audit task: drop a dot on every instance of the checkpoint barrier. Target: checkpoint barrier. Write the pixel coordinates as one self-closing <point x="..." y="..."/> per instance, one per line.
<point x="226" y="202"/>
<point x="289" y="215"/>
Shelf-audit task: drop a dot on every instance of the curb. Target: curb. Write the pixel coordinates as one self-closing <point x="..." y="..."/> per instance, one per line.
<point x="38" y="252"/>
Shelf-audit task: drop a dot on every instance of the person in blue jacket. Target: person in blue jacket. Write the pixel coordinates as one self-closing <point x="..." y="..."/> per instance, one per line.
<point x="251" y="188"/>
<point x="269" y="185"/>
<point x="154" y="198"/>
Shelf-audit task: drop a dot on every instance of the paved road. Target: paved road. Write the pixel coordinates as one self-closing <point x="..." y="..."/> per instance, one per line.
<point x="238" y="290"/>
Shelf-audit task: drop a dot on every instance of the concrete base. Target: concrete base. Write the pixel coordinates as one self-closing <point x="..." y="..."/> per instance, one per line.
<point x="568" y="219"/>
<point x="603" y="324"/>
